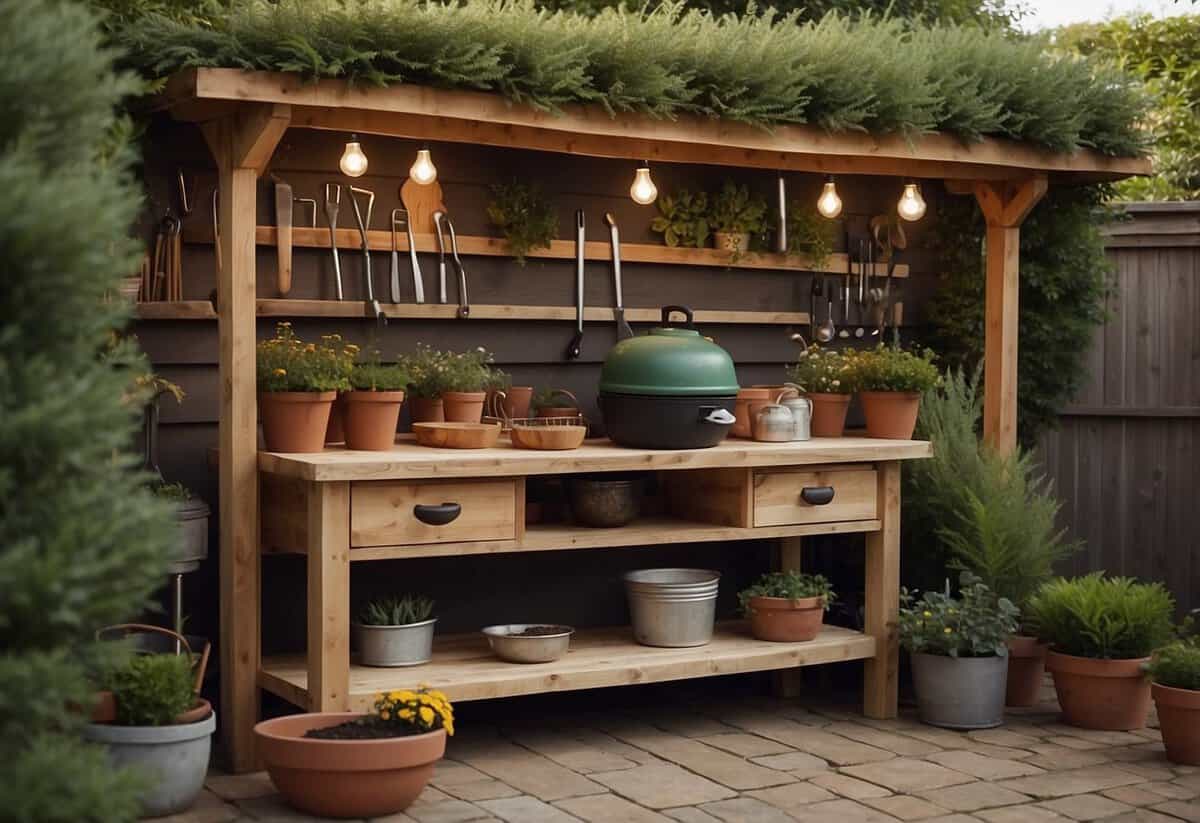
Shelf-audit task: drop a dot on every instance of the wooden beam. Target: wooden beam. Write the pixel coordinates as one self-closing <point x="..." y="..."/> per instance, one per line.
<point x="250" y="135"/>
<point x="789" y="682"/>
<point x="328" y="553"/>
<point x="882" y="598"/>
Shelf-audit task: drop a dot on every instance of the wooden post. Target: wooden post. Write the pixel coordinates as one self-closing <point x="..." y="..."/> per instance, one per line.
<point x="242" y="145"/>
<point x="329" y="597"/>
<point x="789" y="682"/>
<point x="882" y="599"/>
<point x="1004" y="207"/>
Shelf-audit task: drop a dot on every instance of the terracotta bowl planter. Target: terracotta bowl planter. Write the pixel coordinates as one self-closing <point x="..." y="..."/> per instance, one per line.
<point x="295" y="421"/>
<point x="784" y="620"/>
<point x="741" y="410"/>
<point x="345" y="778"/>
<point x="1111" y="695"/>
<point x="1179" y="719"/>
<point x="517" y="400"/>
<point x="1026" y="666"/>
<point x="371" y="418"/>
<point x="463" y="406"/>
<point x="891" y="415"/>
<point x="828" y="414"/>
<point x="335" y="432"/>
<point x="426" y="410"/>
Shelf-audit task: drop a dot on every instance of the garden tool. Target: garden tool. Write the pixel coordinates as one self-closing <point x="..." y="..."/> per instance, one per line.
<point x="438" y="218"/>
<point x="623" y="329"/>
<point x="464" y="305"/>
<point x="308" y="201"/>
<point x="373" y="304"/>
<point x="781" y="239"/>
<point x="283" y="236"/>
<point x="333" y="201"/>
<point x="400" y="220"/>
<point x="575" y="348"/>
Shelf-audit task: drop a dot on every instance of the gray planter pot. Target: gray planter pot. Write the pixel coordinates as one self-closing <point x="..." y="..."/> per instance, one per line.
<point x="960" y="693"/>
<point x="173" y="759"/>
<point x="191" y="545"/>
<point x="409" y="645"/>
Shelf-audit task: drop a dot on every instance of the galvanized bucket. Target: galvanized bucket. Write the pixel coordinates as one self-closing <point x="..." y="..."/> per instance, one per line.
<point x="960" y="693"/>
<point x="672" y="607"/>
<point x="409" y="645"/>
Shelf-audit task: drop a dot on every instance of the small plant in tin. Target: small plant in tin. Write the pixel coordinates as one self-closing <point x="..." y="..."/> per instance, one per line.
<point x="976" y="623"/>
<point x="396" y="611"/>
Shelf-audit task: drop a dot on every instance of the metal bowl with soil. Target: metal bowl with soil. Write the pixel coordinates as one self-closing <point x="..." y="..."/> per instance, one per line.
<point x="529" y="642"/>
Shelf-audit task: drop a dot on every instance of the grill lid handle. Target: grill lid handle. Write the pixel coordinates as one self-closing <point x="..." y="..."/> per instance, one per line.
<point x="720" y="416"/>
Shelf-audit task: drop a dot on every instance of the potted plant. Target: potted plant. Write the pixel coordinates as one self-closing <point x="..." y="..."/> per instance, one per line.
<point x="526" y="217"/>
<point x="555" y="403"/>
<point x="371" y="408"/>
<point x="787" y="606"/>
<point x="809" y="233"/>
<point x="1101" y="633"/>
<point x="825" y="377"/>
<point x="396" y="631"/>
<point x="1175" y="676"/>
<point x="446" y="385"/>
<point x="683" y="219"/>
<point x="161" y="728"/>
<point x="735" y="215"/>
<point x="959" y="653"/>
<point x="342" y="764"/>
<point x="427" y="378"/>
<point x="890" y="382"/>
<point x="297" y="384"/>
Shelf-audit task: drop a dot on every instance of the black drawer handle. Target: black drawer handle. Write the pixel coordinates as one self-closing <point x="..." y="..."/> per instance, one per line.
<point x="817" y="495"/>
<point x="437" y="514"/>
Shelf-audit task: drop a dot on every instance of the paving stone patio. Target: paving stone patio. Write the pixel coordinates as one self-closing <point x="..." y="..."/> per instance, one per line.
<point x="757" y="759"/>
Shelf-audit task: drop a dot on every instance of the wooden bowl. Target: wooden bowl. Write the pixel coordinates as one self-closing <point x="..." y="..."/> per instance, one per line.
<point x="457" y="435"/>
<point x="548" y="438"/>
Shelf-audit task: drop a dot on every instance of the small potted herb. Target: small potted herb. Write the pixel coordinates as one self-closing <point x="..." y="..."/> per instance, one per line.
<point x="825" y="377"/>
<point x="683" y="219"/>
<point x="526" y="217"/>
<point x="396" y="631"/>
<point x="787" y="606"/>
<point x="555" y="403"/>
<point x="1175" y="672"/>
<point x="347" y="764"/>
<point x="959" y="653"/>
<point x="890" y="383"/>
<point x="371" y="408"/>
<point x="297" y="384"/>
<point x="191" y="516"/>
<point x="809" y="233"/>
<point x="447" y="385"/>
<point x="735" y="215"/>
<point x="1102" y="631"/>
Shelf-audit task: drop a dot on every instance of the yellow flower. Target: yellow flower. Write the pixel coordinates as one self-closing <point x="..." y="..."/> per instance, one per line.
<point x="407" y="695"/>
<point x="281" y="372"/>
<point x="405" y="714"/>
<point x="385" y="714"/>
<point x="426" y="714"/>
<point x="947" y="630"/>
<point x="927" y="614"/>
<point x="394" y="696"/>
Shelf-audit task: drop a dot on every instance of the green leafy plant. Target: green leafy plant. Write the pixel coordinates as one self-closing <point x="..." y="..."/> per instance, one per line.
<point x="736" y="211"/>
<point x="376" y="376"/>
<point x="396" y="611"/>
<point x="1177" y="665"/>
<point x="791" y="585"/>
<point x="287" y="363"/>
<point x="890" y="369"/>
<point x="822" y="371"/>
<point x="1112" y="618"/>
<point x="152" y="689"/>
<point x="175" y="492"/>
<point x="683" y="219"/>
<point x="977" y="623"/>
<point x="552" y="399"/>
<point x="809" y="233"/>
<point x="526" y="217"/>
<point x="433" y="372"/>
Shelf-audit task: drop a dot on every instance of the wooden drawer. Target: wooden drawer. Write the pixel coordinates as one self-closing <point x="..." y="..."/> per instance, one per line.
<point x="383" y="512"/>
<point x="779" y="495"/>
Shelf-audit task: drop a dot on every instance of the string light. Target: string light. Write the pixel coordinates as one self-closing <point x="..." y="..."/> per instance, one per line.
<point x="911" y="206"/>
<point x="423" y="171"/>
<point x="829" y="204"/>
<point x="354" y="160"/>
<point x="643" y="190"/>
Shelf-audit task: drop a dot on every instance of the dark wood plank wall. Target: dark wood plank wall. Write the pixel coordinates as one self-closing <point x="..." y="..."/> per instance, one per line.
<point x="1125" y="460"/>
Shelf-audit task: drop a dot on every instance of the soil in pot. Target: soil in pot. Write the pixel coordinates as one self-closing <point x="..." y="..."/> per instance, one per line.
<point x="371" y="418"/>
<point x="891" y="415"/>
<point x="463" y="406"/>
<point x="1110" y="695"/>
<point x="960" y="692"/>
<point x="426" y="410"/>
<point x="1026" y="666"/>
<point x="295" y="422"/>
<point x="361" y="729"/>
<point x="783" y="620"/>
<point x="1179" y="719"/>
<point x="828" y="414"/>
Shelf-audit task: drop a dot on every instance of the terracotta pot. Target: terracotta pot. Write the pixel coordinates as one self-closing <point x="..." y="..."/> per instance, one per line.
<point x="828" y="414"/>
<point x="295" y="421"/>
<point x="1112" y="695"/>
<point x="734" y="242"/>
<point x="1179" y="719"/>
<point x="741" y="410"/>
<point x="784" y="620"/>
<point x="345" y="778"/>
<point x="335" y="432"/>
<point x="371" y="418"/>
<point x="195" y="714"/>
<point x="463" y="406"/>
<point x="426" y="410"/>
<point x="891" y="415"/>
<point x="1026" y="666"/>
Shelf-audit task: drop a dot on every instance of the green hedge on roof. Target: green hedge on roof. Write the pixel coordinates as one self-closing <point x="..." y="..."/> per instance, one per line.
<point x="868" y="74"/>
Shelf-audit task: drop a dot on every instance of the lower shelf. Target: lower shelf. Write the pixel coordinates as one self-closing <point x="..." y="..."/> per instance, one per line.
<point x="465" y="669"/>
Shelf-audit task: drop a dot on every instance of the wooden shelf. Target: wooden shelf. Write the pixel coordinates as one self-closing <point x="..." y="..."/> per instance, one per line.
<point x="175" y="310"/>
<point x="465" y="669"/>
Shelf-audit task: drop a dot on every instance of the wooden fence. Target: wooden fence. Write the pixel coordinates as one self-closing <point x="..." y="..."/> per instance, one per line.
<point x="1126" y="460"/>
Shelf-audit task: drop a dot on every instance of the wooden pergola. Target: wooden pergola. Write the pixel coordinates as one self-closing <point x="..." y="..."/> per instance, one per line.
<point x="244" y="115"/>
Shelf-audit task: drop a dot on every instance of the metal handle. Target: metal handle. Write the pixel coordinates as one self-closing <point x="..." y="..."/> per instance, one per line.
<point x="721" y="417"/>
<point x="817" y="495"/>
<point x="667" y="311"/>
<point x="437" y="514"/>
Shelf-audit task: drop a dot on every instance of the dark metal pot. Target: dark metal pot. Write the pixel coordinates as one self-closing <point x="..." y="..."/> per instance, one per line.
<point x="605" y="501"/>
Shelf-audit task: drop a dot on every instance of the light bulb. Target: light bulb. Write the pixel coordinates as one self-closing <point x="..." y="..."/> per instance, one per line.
<point x="643" y="190"/>
<point x="423" y="171"/>
<point x="354" y="161"/>
<point x="829" y="204"/>
<point x="912" y="205"/>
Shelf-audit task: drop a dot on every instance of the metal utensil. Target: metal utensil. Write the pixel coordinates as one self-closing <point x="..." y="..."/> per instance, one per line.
<point x="815" y="293"/>
<point x="781" y="239"/>
<point x="464" y="304"/>
<point x="865" y="266"/>
<point x="826" y="331"/>
<point x="308" y="201"/>
<point x="623" y="329"/>
<point x="438" y="218"/>
<point x="575" y="347"/>
<point x="283" y="236"/>
<point x="333" y="201"/>
<point x="400" y="220"/>
<point x="373" y="304"/>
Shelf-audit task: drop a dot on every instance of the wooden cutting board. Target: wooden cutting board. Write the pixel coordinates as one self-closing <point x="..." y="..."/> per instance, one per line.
<point x="422" y="202"/>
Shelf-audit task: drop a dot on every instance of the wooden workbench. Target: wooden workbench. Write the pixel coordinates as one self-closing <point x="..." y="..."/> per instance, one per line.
<point x="340" y="507"/>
